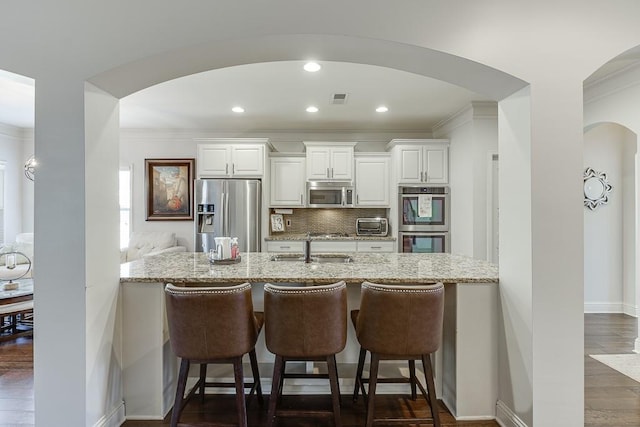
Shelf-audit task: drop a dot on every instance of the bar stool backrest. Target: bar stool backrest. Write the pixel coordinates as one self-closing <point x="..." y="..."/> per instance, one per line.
<point x="210" y="322"/>
<point x="305" y="321"/>
<point x="400" y="320"/>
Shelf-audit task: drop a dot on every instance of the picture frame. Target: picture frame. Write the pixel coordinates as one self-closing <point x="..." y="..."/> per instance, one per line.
<point x="169" y="189"/>
<point x="277" y="223"/>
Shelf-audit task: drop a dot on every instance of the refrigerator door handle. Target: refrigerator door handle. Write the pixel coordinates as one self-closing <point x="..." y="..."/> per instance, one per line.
<point x="222" y="212"/>
<point x="227" y="232"/>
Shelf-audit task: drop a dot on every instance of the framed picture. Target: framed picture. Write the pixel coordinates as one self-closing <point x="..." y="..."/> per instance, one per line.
<point x="277" y="223"/>
<point x="169" y="189"/>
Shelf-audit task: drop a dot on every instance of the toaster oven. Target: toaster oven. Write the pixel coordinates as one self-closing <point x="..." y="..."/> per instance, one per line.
<point x="372" y="226"/>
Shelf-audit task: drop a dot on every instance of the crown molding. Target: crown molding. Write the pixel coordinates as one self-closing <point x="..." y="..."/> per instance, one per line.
<point x="617" y="81"/>
<point x="476" y="110"/>
<point x="12" y="131"/>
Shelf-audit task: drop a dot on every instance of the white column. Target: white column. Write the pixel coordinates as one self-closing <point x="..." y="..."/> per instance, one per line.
<point x="541" y="254"/>
<point x="59" y="255"/>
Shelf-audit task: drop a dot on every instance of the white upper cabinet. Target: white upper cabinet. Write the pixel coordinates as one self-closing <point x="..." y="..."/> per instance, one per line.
<point x="287" y="181"/>
<point x="329" y="161"/>
<point x="227" y="158"/>
<point x="421" y="161"/>
<point x="372" y="180"/>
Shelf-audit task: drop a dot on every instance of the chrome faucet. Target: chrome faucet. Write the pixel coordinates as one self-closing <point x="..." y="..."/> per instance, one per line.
<point x="307" y="248"/>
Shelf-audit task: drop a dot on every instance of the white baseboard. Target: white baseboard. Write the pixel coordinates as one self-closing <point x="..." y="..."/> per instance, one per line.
<point x="506" y="417"/>
<point x="115" y="419"/>
<point x="603" y="307"/>
<point x="611" y="307"/>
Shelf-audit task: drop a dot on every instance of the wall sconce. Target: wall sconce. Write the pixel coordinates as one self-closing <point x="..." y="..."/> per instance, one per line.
<point x="30" y="168"/>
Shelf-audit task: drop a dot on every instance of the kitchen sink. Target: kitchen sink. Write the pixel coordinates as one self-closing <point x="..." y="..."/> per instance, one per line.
<point x="319" y="258"/>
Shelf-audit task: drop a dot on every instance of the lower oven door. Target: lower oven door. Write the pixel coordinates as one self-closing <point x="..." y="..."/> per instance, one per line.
<point x="426" y="243"/>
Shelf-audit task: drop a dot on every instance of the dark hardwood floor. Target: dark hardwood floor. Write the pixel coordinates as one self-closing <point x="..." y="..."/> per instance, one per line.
<point x="611" y="399"/>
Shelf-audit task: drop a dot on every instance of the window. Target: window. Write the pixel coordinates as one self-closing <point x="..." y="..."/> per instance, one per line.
<point x="125" y="206"/>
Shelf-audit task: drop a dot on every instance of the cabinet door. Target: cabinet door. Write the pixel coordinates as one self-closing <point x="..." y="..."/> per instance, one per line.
<point x="213" y="160"/>
<point x="436" y="165"/>
<point x="372" y="181"/>
<point x="284" y="246"/>
<point x="247" y="161"/>
<point x="341" y="164"/>
<point x="287" y="181"/>
<point x="375" y="246"/>
<point x="327" y="246"/>
<point x="318" y="163"/>
<point x="410" y="165"/>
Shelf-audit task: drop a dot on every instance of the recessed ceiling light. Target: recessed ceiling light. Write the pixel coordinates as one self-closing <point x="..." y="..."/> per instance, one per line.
<point x="312" y="67"/>
<point x="312" y="109"/>
<point x="237" y="110"/>
<point x="382" y="109"/>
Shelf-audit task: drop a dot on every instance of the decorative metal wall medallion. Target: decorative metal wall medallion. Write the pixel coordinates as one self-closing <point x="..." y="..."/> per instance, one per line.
<point x="596" y="188"/>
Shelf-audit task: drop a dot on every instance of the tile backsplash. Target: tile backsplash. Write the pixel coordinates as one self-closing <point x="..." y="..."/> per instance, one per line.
<point x="326" y="220"/>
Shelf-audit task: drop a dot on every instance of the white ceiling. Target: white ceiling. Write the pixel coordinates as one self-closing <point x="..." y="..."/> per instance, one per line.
<point x="274" y="96"/>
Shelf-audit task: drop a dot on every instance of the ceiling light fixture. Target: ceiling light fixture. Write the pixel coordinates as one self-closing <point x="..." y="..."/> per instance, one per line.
<point x="237" y="110"/>
<point x="312" y="109"/>
<point x="312" y="67"/>
<point x="382" y="109"/>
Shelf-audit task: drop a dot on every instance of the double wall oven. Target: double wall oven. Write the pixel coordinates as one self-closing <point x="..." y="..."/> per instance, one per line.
<point x="424" y="215"/>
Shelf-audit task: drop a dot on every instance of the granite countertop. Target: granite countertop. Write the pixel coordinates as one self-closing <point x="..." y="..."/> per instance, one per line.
<point x="256" y="267"/>
<point x="303" y="236"/>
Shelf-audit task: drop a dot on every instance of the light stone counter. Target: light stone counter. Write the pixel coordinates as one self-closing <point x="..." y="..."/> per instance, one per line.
<point x="465" y="366"/>
<point x="390" y="268"/>
<point x="349" y="238"/>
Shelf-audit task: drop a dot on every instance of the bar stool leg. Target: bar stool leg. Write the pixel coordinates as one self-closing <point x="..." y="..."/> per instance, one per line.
<point x="182" y="383"/>
<point x="431" y="389"/>
<point x="276" y="389"/>
<point x="373" y="380"/>
<point x="335" y="389"/>
<point x="256" y="375"/>
<point x="240" y="400"/>
<point x="358" y="384"/>
<point x="412" y="378"/>
<point x="203" y="380"/>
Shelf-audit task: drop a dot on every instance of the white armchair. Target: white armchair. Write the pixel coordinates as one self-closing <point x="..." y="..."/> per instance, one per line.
<point x="149" y="243"/>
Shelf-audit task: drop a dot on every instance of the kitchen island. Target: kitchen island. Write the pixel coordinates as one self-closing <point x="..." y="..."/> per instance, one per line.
<point x="466" y="365"/>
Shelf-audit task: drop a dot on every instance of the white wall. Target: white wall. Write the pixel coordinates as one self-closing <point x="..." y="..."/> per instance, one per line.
<point x="615" y="100"/>
<point x="604" y="227"/>
<point x="473" y="136"/>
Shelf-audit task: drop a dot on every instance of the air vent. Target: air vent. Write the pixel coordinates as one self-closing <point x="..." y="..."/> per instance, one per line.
<point x="339" y="98"/>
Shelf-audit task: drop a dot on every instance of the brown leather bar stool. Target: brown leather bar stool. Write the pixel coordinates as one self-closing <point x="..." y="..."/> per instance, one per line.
<point x="305" y="324"/>
<point x="399" y="323"/>
<point x="213" y="325"/>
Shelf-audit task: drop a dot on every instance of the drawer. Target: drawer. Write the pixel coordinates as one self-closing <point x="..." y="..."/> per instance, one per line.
<point x="375" y="246"/>
<point x="285" y="246"/>
<point x="323" y="246"/>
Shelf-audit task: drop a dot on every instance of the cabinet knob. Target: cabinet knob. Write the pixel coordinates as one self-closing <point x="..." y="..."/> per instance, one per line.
<point x="328" y="176"/>
<point x="226" y="169"/>
<point x="233" y="168"/>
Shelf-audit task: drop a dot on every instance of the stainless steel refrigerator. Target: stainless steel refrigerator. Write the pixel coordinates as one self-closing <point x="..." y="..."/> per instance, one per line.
<point x="227" y="208"/>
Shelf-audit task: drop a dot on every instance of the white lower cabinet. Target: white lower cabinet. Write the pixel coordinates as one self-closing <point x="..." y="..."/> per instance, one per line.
<point x="330" y="246"/>
<point x="375" y="246"/>
<point x="324" y="246"/>
<point x="285" y="246"/>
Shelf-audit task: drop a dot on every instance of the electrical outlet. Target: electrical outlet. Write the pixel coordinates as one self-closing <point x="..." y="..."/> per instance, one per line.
<point x="288" y="222"/>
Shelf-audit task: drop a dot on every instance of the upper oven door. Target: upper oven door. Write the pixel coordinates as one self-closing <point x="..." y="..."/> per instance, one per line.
<point x="423" y="209"/>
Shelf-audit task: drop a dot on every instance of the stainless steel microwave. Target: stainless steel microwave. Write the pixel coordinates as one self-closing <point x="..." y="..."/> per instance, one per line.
<point x="330" y="194"/>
